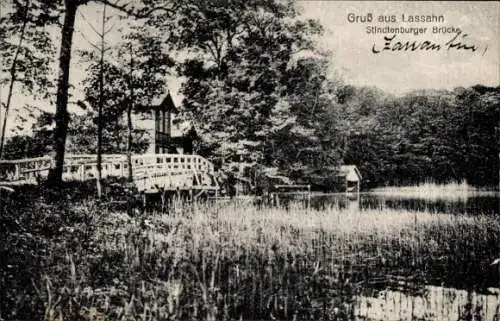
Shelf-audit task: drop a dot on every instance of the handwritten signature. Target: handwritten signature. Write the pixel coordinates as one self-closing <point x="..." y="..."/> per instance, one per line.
<point x="456" y="43"/>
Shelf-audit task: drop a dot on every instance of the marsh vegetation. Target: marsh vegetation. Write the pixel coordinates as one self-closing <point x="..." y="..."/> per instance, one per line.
<point x="75" y="259"/>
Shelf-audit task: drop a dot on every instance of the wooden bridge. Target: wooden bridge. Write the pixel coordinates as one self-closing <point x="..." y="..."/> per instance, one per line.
<point x="151" y="172"/>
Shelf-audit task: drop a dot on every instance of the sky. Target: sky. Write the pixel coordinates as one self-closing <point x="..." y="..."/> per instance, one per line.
<point x="353" y="59"/>
<point x="402" y="71"/>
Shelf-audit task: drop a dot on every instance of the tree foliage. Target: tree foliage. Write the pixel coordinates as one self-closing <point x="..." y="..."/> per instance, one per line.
<point x="82" y="133"/>
<point x="133" y="74"/>
<point x="25" y="54"/>
<point x="252" y="95"/>
<point x="52" y="11"/>
<point x="259" y="91"/>
<point x="81" y="137"/>
<point x="36" y="50"/>
<point x="37" y="144"/>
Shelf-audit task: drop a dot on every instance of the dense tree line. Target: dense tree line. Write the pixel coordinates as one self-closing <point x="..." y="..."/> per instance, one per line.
<point x="441" y="136"/>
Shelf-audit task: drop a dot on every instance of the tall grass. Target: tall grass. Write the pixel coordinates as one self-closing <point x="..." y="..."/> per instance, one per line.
<point x="234" y="261"/>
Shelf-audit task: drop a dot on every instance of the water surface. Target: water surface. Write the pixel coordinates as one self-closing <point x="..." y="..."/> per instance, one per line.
<point x="472" y="204"/>
<point x="459" y="285"/>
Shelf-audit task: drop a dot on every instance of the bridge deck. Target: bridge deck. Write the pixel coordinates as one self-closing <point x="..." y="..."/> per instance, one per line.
<point x="149" y="171"/>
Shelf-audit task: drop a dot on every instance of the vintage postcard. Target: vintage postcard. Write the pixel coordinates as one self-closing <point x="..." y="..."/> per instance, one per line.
<point x="249" y="160"/>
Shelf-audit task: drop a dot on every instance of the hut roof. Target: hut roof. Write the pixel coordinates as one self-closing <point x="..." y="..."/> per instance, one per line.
<point x="166" y="103"/>
<point x="351" y="172"/>
<point x="280" y="179"/>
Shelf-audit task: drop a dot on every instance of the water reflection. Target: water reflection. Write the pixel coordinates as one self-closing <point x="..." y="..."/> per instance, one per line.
<point x="488" y="203"/>
<point x="436" y="304"/>
<point x="459" y="281"/>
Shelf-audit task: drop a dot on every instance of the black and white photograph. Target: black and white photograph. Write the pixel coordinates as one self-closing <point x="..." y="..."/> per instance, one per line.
<point x="248" y="160"/>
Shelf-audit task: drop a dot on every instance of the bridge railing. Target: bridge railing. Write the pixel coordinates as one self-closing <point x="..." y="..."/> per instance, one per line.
<point x="24" y="170"/>
<point x="175" y="161"/>
<point x="175" y="168"/>
<point x="117" y="165"/>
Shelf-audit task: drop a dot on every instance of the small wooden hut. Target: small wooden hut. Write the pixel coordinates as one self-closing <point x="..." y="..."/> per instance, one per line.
<point x="351" y="177"/>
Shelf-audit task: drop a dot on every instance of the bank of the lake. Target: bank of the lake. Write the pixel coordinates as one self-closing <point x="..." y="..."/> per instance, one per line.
<point x="80" y="260"/>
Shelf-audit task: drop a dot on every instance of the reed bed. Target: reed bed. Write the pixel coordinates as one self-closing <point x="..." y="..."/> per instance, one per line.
<point x="237" y="261"/>
<point x="434" y="191"/>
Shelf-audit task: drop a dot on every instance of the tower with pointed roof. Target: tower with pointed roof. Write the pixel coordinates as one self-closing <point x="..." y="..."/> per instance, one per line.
<point x="169" y="134"/>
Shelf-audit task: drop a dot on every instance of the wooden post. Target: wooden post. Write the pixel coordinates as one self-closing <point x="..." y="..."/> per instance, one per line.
<point x="163" y="195"/>
<point x="17" y="172"/>
<point x="178" y="196"/>
<point x="308" y="197"/>
<point x="358" y="200"/>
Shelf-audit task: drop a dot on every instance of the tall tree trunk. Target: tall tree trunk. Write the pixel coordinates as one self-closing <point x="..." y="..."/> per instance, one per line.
<point x="129" y="117"/>
<point x="129" y="140"/>
<point x="99" y="112"/>
<point x="13" y="79"/>
<point x="62" y="117"/>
